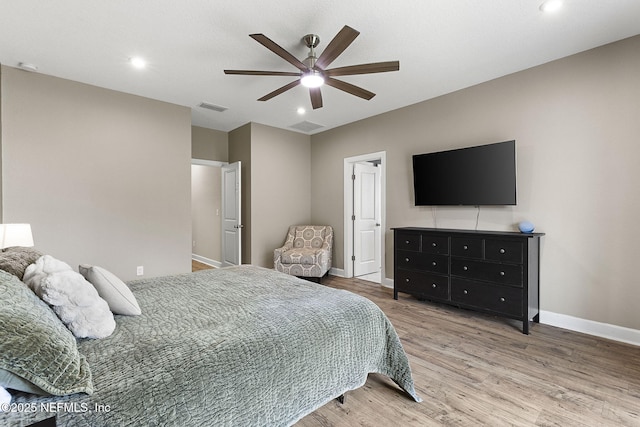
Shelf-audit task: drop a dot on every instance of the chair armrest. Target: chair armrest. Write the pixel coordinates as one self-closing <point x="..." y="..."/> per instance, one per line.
<point x="277" y="253"/>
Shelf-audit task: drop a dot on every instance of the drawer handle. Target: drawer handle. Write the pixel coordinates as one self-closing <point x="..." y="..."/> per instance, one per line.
<point x="465" y="247"/>
<point x="434" y="244"/>
<point x="465" y="292"/>
<point x="502" y="273"/>
<point x="407" y="242"/>
<point x="465" y="268"/>
<point x="406" y="280"/>
<point x="433" y="285"/>
<point x="502" y="251"/>
<point x="406" y="259"/>
<point x="433" y="263"/>
<point x="502" y="299"/>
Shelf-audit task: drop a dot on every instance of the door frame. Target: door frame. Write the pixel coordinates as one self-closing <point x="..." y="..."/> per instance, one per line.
<point x="348" y="208"/>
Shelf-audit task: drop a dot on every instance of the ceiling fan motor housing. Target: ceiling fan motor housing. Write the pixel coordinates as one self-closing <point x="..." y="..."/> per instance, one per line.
<point x="311" y="41"/>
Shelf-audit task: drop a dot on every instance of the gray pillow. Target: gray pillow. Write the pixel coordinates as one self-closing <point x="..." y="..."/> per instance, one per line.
<point x="16" y="259"/>
<point x="35" y="346"/>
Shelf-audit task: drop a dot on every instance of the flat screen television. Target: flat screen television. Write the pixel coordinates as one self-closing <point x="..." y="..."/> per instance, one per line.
<point x="481" y="175"/>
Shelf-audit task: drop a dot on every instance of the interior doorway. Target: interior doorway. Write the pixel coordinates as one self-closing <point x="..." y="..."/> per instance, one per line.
<point x="206" y="201"/>
<point x="364" y="216"/>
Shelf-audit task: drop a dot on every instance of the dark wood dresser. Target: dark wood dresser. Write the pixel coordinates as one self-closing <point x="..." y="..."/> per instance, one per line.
<point x="489" y="271"/>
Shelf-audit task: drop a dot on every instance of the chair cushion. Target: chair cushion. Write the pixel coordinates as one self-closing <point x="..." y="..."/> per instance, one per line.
<point x="304" y="256"/>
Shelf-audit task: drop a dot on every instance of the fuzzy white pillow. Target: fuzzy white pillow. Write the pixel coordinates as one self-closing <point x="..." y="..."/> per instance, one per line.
<point x="113" y="290"/>
<point x="5" y="399"/>
<point x="73" y="299"/>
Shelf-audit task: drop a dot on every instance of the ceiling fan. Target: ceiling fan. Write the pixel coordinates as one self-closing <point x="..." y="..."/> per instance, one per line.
<point x="313" y="72"/>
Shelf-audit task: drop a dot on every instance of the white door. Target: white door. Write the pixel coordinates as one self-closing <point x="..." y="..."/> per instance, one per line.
<point x="231" y="225"/>
<point x="366" y="219"/>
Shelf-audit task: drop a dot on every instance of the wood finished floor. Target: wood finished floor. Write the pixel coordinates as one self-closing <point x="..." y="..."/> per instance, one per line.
<point x="477" y="370"/>
<point x="196" y="266"/>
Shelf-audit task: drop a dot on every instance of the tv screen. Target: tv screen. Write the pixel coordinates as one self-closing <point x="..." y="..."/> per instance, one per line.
<point x="481" y="175"/>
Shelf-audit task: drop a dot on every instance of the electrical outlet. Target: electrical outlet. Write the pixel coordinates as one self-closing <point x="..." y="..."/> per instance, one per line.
<point x="140" y="270"/>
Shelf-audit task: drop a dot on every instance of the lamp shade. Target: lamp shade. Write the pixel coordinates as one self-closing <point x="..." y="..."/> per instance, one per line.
<point x="15" y="235"/>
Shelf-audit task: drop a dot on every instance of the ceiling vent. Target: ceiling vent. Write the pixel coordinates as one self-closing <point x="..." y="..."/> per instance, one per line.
<point x="306" y="126"/>
<point x="214" y="107"/>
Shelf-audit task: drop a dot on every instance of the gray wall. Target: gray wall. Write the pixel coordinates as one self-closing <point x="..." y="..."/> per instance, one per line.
<point x="281" y="188"/>
<point x="275" y="186"/>
<point x="576" y="125"/>
<point x="209" y="144"/>
<point x="240" y="151"/>
<point x="102" y="176"/>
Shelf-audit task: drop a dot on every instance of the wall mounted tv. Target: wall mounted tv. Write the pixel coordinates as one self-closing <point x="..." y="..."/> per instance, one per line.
<point x="474" y="176"/>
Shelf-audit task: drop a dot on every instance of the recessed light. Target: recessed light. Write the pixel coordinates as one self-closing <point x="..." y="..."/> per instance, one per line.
<point x="138" y="62"/>
<point x="27" y="67"/>
<point x="301" y="111"/>
<point x="551" y="6"/>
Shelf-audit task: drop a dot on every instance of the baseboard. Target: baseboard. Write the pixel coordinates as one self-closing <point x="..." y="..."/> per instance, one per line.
<point x="336" y="272"/>
<point x="603" y="330"/>
<point x="576" y="324"/>
<point x="387" y="283"/>
<point x="211" y="262"/>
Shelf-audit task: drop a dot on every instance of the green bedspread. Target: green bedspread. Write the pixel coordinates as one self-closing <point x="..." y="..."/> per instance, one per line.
<point x="241" y="346"/>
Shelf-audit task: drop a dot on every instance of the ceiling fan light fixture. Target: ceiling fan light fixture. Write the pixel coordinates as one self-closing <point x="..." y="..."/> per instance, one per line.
<point x="312" y="79"/>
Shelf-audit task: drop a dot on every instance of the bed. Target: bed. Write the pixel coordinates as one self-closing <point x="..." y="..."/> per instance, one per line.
<point x="228" y="347"/>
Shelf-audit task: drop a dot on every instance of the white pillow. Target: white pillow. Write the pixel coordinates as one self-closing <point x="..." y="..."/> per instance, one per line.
<point x="111" y="289"/>
<point x="72" y="298"/>
<point x="5" y="399"/>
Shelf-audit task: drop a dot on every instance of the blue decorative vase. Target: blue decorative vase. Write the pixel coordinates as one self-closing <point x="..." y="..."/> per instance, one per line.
<point x="526" y="227"/>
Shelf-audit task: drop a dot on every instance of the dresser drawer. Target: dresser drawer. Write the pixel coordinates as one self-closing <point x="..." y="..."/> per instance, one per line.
<point x="422" y="261"/>
<point x="484" y="296"/>
<point x="422" y="284"/>
<point x="408" y="241"/>
<point x="508" y="274"/>
<point x="467" y="247"/>
<point x="435" y="244"/>
<point x="503" y="250"/>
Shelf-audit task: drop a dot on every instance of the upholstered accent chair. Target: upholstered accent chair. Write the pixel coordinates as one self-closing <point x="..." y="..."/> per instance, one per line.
<point x="306" y="251"/>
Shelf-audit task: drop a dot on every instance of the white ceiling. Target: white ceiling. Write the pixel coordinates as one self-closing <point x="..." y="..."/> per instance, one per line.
<point x="442" y="46"/>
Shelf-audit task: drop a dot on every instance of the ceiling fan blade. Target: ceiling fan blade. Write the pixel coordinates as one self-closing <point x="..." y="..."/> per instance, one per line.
<point x="336" y="46"/>
<point x="316" y="97"/>
<point x="280" y="90"/>
<point x="375" y="67"/>
<point x="349" y="88"/>
<point x="278" y="50"/>
<point x="261" y="73"/>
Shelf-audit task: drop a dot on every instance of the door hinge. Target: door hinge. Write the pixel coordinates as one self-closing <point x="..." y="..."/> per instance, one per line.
<point x="353" y="217"/>
<point x="353" y="177"/>
<point x="353" y="257"/>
